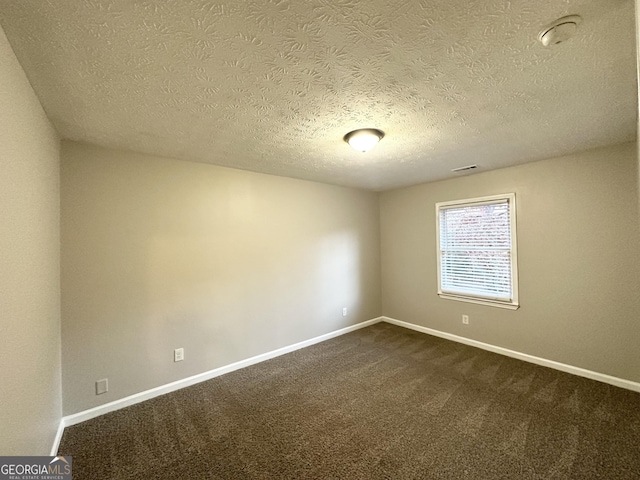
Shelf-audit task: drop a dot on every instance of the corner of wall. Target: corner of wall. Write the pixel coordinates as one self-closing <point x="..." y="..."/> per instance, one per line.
<point x="31" y="396"/>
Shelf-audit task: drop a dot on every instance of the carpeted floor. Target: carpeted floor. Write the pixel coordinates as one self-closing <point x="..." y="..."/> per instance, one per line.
<point x="380" y="403"/>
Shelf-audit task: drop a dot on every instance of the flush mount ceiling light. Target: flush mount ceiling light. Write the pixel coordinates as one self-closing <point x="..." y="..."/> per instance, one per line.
<point x="364" y="139"/>
<point x="560" y="30"/>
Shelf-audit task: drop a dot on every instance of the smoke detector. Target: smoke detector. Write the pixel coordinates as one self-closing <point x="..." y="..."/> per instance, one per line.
<point x="560" y="30"/>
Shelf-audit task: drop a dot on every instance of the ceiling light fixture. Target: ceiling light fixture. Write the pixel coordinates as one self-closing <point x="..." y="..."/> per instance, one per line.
<point x="560" y="30"/>
<point x="364" y="139"/>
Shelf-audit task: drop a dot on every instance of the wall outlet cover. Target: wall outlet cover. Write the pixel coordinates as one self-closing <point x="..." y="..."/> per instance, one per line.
<point x="178" y="354"/>
<point x="102" y="386"/>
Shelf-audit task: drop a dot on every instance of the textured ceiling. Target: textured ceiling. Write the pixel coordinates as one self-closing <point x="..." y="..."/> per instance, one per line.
<point x="273" y="86"/>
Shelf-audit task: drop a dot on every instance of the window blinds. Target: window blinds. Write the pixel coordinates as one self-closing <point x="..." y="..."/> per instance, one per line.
<point x="475" y="250"/>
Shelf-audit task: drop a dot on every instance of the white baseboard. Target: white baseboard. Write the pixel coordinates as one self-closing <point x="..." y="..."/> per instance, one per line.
<point x="186" y="382"/>
<point x="201" y="377"/>
<point x="56" y="440"/>
<point x="563" y="367"/>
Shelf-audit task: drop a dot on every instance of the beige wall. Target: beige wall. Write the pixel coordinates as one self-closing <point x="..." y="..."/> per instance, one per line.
<point x="159" y="254"/>
<point x="30" y="402"/>
<point x="578" y="260"/>
<point x="637" y="9"/>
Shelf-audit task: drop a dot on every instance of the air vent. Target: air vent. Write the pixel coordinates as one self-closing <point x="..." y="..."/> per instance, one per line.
<point x="462" y="169"/>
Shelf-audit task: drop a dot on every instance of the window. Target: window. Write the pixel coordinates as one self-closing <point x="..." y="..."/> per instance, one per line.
<point x="477" y="256"/>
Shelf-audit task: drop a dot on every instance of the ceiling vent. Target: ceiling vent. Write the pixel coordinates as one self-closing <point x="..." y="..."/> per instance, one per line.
<point x="462" y="169"/>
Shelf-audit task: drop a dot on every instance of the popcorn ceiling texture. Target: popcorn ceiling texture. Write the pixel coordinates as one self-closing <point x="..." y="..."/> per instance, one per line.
<point x="273" y="86"/>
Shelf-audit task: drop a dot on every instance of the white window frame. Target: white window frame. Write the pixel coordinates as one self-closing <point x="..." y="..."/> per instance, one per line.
<point x="510" y="198"/>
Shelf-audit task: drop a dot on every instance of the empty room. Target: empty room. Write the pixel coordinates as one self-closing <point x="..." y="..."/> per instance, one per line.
<point x="320" y="239"/>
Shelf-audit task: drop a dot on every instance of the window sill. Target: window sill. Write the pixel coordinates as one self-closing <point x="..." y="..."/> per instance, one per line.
<point x="480" y="301"/>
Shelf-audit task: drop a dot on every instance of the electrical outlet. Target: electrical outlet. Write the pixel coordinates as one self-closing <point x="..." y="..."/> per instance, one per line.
<point x="178" y="354"/>
<point x="465" y="319"/>
<point x="102" y="386"/>
<point x="344" y="312"/>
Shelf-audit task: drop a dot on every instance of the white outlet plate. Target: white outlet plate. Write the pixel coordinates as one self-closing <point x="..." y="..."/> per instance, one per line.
<point x="344" y="312"/>
<point x="178" y="354"/>
<point x="102" y="386"/>
<point x="465" y="319"/>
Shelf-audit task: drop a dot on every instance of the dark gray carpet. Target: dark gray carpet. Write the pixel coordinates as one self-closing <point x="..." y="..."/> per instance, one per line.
<point x="379" y="403"/>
